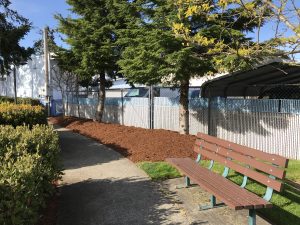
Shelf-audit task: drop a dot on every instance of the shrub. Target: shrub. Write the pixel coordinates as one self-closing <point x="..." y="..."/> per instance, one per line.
<point x="16" y="115"/>
<point x="27" y="101"/>
<point x="28" y="166"/>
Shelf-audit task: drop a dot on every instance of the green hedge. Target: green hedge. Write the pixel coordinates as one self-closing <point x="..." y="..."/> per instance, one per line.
<point x="27" y="101"/>
<point x="17" y="115"/>
<point x="28" y="166"/>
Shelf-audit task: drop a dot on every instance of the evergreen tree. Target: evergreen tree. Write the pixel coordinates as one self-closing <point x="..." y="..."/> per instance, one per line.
<point x="13" y="28"/>
<point x="157" y="50"/>
<point x="92" y="37"/>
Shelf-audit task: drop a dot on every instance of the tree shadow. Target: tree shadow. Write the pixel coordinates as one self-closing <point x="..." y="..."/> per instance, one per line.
<point x="123" y="201"/>
<point x="79" y="151"/>
<point x="239" y="116"/>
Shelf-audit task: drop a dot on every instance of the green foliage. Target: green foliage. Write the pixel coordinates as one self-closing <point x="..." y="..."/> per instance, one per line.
<point x="152" y="53"/>
<point x="16" y="115"/>
<point x="159" y="170"/>
<point x="92" y="35"/>
<point x="158" y="48"/>
<point x="27" y="101"/>
<point x="29" y="165"/>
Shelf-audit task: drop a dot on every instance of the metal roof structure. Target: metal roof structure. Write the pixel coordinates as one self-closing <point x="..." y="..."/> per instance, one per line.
<point x="252" y="82"/>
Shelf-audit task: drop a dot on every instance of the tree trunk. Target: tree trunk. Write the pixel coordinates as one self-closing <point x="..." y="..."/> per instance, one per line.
<point x="184" y="107"/>
<point x="101" y="98"/>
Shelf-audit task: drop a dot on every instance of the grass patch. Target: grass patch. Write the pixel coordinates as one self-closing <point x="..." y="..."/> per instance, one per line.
<point x="293" y="171"/>
<point x="286" y="204"/>
<point x="159" y="170"/>
<point x="286" y="209"/>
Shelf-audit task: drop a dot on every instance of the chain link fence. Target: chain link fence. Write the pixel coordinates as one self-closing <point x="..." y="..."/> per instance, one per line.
<point x="268" y="120"/>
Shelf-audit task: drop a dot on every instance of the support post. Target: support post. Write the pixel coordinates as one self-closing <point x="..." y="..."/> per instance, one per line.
<point x="46" y="58"/>
<point x="187" y="181"/>
<point x="209" y="125"/>
<point x="212" y="204"/>
<point x="151" y="107"/>
<point x="186" y="185"/>
<point x="122" y="109"/>
<point x="212" y="201"/>
<point x="252" y="217"/>
<point x="15" y="84"/>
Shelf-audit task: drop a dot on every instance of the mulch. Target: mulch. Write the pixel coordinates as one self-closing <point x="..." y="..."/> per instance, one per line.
<point x="136" y="144"/>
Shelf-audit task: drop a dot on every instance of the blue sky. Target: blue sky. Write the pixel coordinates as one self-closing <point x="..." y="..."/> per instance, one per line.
<point x="40" y="13"/>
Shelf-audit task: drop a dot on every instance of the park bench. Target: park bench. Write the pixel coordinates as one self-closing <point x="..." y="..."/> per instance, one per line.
<point x="265" y="168"/>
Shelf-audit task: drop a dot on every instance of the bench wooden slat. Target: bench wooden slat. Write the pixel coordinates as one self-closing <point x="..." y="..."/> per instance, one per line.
<point x="267" y="168"/>
<point x="276" y="185"/>
<point x="228" y="200"/>
<point x="245" y="197"/>
<point x="212" y="183"/>
<point x="276" y="159"/>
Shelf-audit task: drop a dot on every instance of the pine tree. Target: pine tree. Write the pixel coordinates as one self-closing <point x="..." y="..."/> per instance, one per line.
<point x="92" y="36"/>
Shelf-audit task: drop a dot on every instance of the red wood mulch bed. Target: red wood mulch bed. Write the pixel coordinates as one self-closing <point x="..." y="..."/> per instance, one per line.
<point x="137" y="144"/>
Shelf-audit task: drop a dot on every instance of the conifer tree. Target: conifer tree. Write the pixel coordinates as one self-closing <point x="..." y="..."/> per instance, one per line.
<point x="13" y="28"/>
<point x="158" y="49"/>
<point x="92" y="36"/>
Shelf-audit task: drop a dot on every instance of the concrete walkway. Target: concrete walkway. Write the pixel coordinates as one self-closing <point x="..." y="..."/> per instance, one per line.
<point x="100" y="186"/>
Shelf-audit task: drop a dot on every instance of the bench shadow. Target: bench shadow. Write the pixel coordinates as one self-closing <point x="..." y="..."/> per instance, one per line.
<point x="278" y="213"/>
<point x="122" y="201"/>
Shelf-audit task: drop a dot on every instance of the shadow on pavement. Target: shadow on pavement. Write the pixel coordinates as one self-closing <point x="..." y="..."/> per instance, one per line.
<point x="125" y="201"/>
<point x="80" y="151"/>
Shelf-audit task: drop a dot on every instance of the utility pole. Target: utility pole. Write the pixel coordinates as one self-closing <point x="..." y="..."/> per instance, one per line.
<point x="15" y="84"/>
<point x="46" y="58"/>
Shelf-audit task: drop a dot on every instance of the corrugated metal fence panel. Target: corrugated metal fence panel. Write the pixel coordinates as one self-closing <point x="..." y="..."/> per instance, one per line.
<point x="136" y="112"/>
<point x="198" y="116"/>
<point x="113" y="110"/>
<point x="166" y="113"/>
<point x="272" y="132"/>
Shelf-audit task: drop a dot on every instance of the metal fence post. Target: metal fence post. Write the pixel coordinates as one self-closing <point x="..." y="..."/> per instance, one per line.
<point x="209" y="116"/>
<point x="151" y="107"/>
<point x="122" y="109"/>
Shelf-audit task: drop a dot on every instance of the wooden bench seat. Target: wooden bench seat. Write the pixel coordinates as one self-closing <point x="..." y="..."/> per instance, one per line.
<point x="231" y="194"/>
<point x="264" y="168"/>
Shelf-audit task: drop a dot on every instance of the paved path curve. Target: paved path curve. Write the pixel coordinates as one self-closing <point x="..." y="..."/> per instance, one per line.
<point x="100" y="186"/>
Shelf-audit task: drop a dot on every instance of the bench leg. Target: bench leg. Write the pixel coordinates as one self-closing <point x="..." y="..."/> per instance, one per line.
<point x="187" y="183"/>
<point x="252" y="217"/>
<point x="213" y="204"/>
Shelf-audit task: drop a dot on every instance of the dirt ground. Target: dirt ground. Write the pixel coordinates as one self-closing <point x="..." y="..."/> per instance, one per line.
<point x="137" y="144"/>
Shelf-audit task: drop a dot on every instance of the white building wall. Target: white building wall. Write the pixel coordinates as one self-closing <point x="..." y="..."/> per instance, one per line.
<point x="30" y="80"/>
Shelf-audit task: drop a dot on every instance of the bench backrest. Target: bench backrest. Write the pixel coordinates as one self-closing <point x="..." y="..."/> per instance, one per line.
<point x="257" y="165"/>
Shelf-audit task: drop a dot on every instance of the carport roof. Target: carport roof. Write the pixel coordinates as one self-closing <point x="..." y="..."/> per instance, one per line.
<point x="251" y="82"/>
